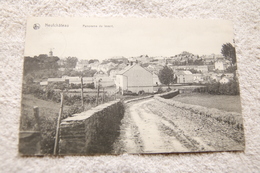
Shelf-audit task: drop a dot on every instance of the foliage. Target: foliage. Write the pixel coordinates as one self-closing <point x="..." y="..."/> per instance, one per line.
<point x="48" y="130"/>
<point x="166" y="75"/>
<point x="73" y="73"/>
<point x="160" y="90"/>
<point x="78" y="86"/>
<point x="88" y="73"/>
<point x="230" y="88"/>
<point x="229" y="52"/>
<point x="71" y="62"/>
<point x="50" y="94"/>
<point x="92" y="61"/>
<point x="231" y="69"/>
<point x="145" y="64"/>
<point x="194" y="71"/>
<point x="41" y="62"/>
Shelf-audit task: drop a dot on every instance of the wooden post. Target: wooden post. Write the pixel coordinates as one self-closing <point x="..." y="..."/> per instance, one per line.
<point x="82" y="98"/>
<point x="97" y="93"/>
<point x="58" y="126"/>
<point x="103" y="96"/>
<point x="36" y="115"/>
<point x="46" y="92"/>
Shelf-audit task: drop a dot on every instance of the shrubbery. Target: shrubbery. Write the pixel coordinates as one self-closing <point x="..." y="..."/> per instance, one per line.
<point x="230" y="88"/>
<point x="50" y="94"/>
<point x="78" y="86"/>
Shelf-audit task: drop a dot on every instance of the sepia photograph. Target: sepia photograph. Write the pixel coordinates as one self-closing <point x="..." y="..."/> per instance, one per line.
<point x="129" y="85"/>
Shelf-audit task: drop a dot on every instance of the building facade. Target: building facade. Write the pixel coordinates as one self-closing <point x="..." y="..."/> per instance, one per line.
<point x="134" y="78"/>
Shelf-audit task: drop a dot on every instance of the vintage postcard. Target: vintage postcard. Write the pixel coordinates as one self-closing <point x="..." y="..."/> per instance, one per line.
<point x="129" y="85"/>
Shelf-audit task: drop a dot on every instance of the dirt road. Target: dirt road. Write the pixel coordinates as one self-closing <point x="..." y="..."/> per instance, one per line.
<point x="150" y="126"/>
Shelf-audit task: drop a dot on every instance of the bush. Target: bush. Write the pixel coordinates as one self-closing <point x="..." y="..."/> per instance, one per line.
<point x="230" y="88"/>
<point x="50" y="94"/>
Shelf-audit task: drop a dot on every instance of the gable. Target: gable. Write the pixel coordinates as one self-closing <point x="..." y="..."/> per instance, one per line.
<point x="137" y="69"/>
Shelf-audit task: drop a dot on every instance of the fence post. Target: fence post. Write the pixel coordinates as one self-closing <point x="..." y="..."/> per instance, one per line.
<point x="97" y="93"/>
<point x="103" y="95"/>
<point x="82" y="101"/>
<point x="36" y="115"/>
<point x="58" y="126"/>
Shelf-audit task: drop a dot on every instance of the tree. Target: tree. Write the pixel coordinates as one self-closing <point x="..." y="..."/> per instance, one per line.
<point x="166" y="76"/>
<point x="71" y="62"/>
<point x="92" y="61"/>
<point x="229" y="52"/>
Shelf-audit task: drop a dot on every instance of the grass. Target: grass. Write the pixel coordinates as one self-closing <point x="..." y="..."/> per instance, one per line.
<point x="47" y="109"/>
<point x="222" y="102"/>
<point x="48" y="114"/>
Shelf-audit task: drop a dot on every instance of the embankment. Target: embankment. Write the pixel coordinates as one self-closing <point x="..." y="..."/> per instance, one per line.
<point x="231" y="118"/>
<point x="93" y="131"/>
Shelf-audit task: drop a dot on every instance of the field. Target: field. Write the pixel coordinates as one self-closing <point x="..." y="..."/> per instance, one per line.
<point x="222" y="102"/>
<point x="48" y="113"/>
<point x="47" y="109"/>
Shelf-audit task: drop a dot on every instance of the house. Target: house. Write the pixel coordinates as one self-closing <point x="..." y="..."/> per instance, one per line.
<point x="44" y="83"/>
<point x="214" y="77"/>
<point x="219" y="65"/>
<point x="184" y="77"/>
<point x="88" y="80"/>
<point x="134" y="78"/>
<point x="198" y="78"/>
<point x="82" y="65"/>
<point x="57" y="80"/>
<point x="203" y="68"/>
<point x="200" y="68"/>
<point x="74" y="80"/>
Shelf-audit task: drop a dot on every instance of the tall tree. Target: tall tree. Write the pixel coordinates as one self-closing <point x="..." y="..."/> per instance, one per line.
<point x="71" y="62"/>
<point x="166" y="76"/>
<point x="229" y="52"/>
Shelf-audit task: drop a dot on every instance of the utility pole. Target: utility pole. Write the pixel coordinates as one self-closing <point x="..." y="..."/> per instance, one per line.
<point x="58" y="126"/>
<point x="82" y="97"/>
<point x="36" y="116"/>
<point x="98" y="86"/>
<point x="103" y="96"/>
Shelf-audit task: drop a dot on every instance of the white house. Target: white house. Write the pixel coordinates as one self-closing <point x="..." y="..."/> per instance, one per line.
<point x="197" y="78"/>
<point x="184" y="77"/>
<point x="219" y="65"/>
<point x="134" y="78"/>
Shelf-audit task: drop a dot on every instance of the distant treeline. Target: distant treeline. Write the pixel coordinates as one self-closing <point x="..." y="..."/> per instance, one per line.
<point x="40" y="62"/>
<point x="44" y="67"/>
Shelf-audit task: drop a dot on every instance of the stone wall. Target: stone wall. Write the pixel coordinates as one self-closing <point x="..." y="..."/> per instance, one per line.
<point x="93" y="131"/>
<point x="169" y="95"/>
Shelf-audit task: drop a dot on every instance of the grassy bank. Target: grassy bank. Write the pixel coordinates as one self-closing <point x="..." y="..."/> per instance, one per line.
<point x="48" y="113"/>
<point x="222" y="102"/>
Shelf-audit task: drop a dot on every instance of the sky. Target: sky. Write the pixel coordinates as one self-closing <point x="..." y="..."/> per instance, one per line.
<point x="103" y="38"/>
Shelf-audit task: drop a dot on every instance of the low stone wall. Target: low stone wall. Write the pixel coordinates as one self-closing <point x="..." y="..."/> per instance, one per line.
<point x="169" y="95"/>
<point x="93" y="131"/>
